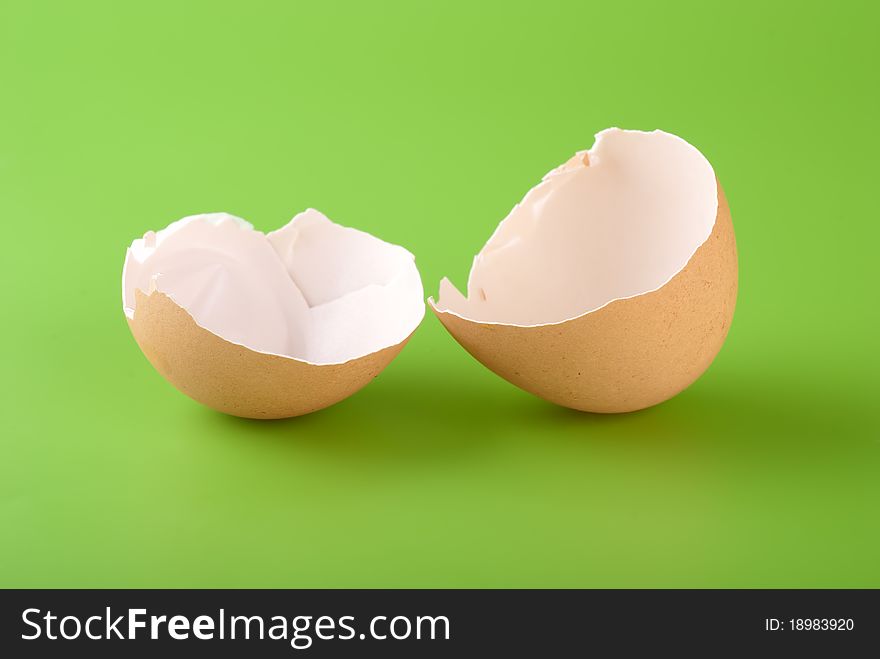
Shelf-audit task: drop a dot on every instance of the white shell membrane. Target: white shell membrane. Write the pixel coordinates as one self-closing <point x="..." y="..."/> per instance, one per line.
<point x="312" y="290"/>
<point x="614" y="222"/>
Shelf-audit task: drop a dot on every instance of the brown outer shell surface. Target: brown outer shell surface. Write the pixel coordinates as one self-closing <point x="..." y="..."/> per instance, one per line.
<point x="236" y="380"/>
<point x="631" y="353"/>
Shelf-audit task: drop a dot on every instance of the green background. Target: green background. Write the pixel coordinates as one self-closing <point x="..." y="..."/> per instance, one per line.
<point x="423" y="123"/>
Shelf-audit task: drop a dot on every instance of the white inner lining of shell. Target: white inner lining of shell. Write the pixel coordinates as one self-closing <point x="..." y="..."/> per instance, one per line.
<point x="312" y="290"/>
<point x="614" y="222"/>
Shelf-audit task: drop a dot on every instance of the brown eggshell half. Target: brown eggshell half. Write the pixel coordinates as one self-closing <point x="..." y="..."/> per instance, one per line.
<point x="628" y="355"/>
<point x="236" y="380"/>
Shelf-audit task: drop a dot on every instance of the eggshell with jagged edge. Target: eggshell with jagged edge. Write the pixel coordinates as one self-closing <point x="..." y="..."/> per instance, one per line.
<point x="628" y="353"/>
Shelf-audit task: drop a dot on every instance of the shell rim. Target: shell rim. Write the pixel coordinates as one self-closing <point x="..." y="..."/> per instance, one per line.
<point x="131" y="320"/>
<point x="432" y="303"/>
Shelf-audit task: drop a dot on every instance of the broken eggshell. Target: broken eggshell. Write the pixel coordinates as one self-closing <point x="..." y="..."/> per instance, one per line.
<point x="269" y="325"/>
<point x="612" y="285"/>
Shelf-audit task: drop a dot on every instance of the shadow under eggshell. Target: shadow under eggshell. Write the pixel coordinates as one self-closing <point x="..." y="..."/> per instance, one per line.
<point x="628" y="355"/>
<point x="235" y="380"/>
